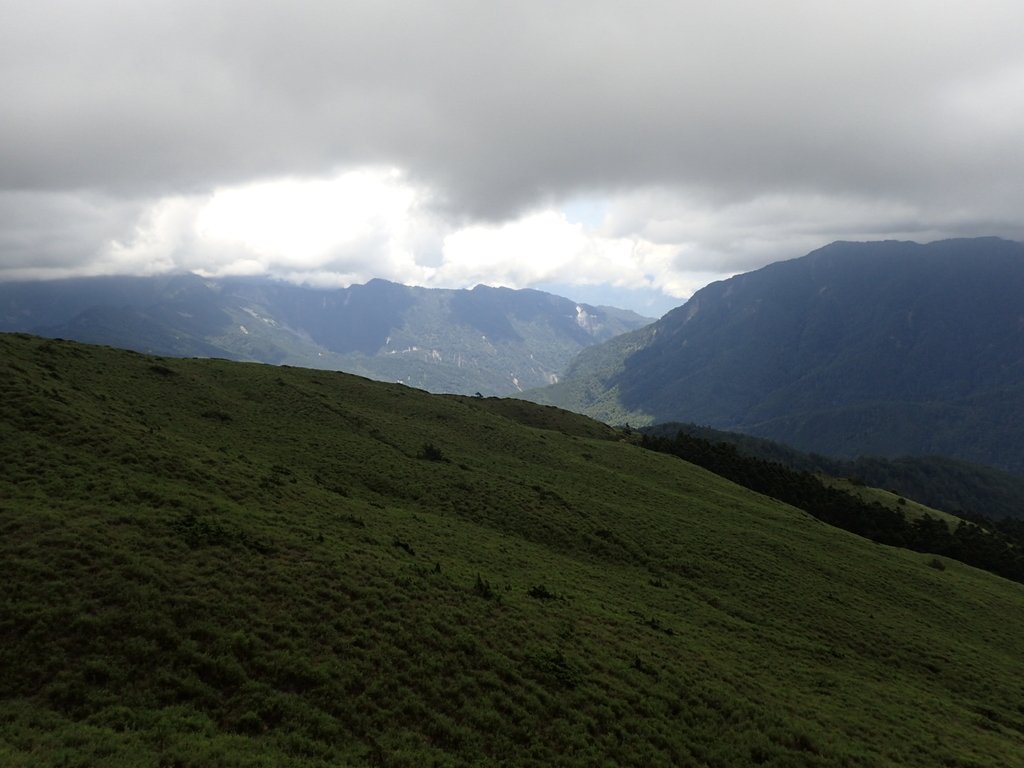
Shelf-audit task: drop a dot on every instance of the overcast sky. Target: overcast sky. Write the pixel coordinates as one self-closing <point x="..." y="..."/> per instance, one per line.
<point x="631" y="151"/>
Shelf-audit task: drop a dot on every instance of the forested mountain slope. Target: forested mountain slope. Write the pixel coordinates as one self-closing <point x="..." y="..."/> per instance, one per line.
<point x="886" y="348"/>
<point x="955" y="486"/>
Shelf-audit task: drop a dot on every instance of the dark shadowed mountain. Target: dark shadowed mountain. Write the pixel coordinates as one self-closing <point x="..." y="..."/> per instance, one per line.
<point x="887" y="348"/>
<point x="491" y="340"/>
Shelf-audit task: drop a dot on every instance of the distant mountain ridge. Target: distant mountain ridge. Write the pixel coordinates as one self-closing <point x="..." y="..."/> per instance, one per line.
<point x="886" y="348"/>
<point x="493" y="340"/>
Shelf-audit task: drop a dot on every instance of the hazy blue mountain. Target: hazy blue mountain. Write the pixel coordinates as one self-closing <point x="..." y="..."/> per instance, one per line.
<point x="491" y="340"/>
<point x="886" y="348"/>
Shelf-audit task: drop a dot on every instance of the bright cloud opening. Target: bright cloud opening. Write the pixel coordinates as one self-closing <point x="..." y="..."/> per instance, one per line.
<point x="372" y="222"/>
<point x="546" y="247"/>
<point x="303" y="223"/>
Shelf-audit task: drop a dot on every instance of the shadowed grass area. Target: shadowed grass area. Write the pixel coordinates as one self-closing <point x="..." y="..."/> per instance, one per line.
<point x="212" y="563"/>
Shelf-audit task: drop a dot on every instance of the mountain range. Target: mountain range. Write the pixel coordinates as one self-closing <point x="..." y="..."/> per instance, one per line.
<point x="881" y="349"/>
<point x="488" y="340"/>
<point x="885" y="348"/>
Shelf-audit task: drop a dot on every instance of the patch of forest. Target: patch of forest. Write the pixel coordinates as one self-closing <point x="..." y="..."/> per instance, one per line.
<point x="994" y="546"/>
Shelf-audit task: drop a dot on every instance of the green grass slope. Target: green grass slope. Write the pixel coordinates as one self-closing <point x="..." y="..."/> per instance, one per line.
<point x="213" y="563"/>
<point x="891" y="501"/>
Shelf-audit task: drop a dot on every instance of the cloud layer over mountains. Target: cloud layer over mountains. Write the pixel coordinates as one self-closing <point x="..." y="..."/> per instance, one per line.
<point x="666" y="141"/>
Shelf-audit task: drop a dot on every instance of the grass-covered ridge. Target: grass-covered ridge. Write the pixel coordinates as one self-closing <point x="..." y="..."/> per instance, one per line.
<point x="212" y="563"/>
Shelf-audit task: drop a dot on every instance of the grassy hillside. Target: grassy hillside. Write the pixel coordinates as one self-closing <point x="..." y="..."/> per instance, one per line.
<point x="213" y="563"/>
<point x="892" y="501"/>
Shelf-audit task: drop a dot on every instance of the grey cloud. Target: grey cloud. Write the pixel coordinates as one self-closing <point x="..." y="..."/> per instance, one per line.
<point x="51" y="234"/>
<point x="500" y="106"/>
<point x="501" y="102"/>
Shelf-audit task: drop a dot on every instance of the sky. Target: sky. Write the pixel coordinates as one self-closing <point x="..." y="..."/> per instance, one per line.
<point x="629" y="152"/>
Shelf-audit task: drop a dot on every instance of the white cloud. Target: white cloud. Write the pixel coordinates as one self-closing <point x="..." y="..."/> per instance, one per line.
<point x="545" y="247"/>
<point x="537" y="247"/>
<point x="161" y="240"/>
<point x="348" y="227"/>
<point x="358" y="224"/>
<point x="369" y="223"/>
<point x="304" y="223"/>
